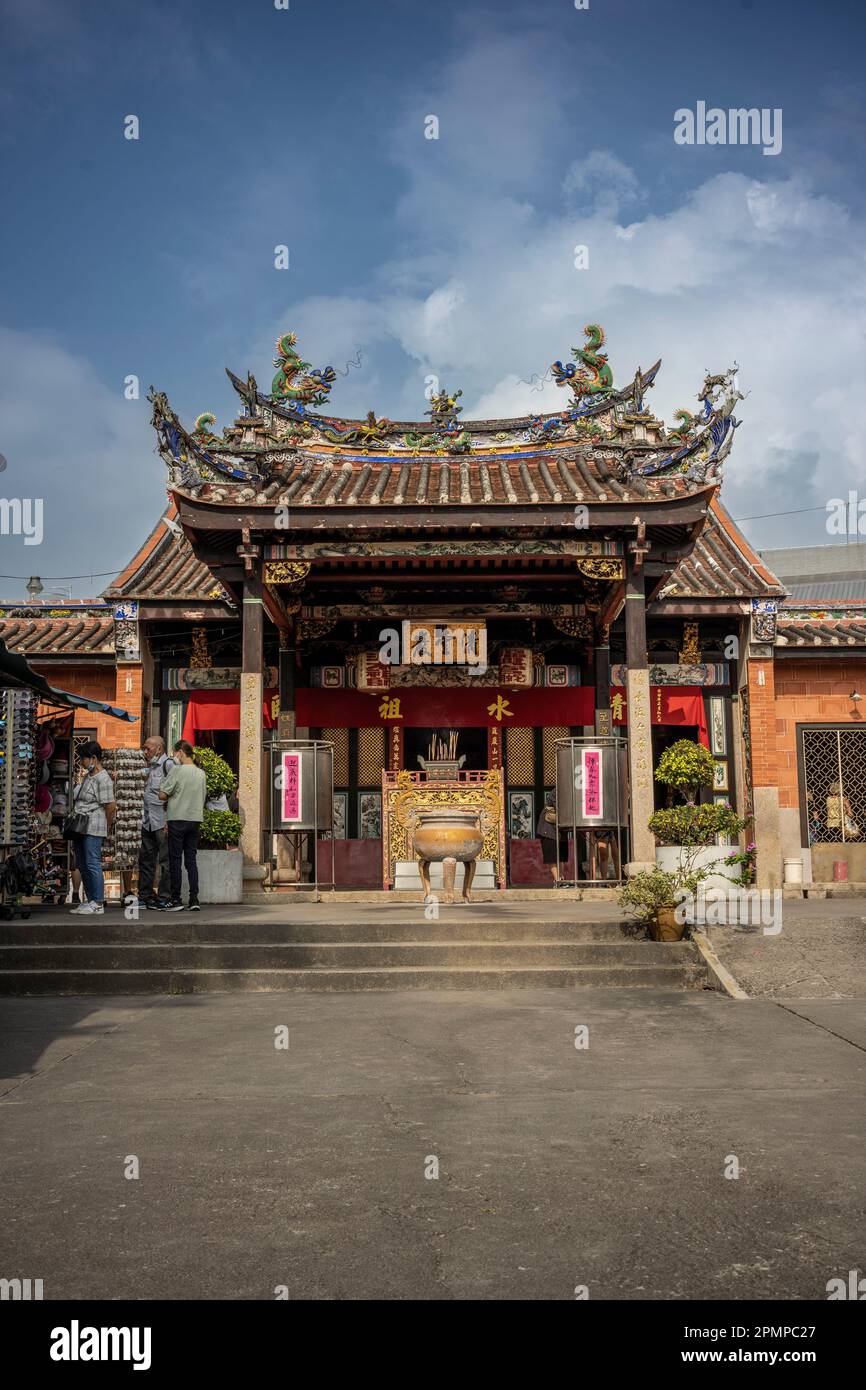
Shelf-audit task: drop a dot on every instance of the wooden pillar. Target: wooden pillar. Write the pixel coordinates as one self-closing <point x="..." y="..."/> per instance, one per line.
<point x="603" y="720"/>
<point x="251" y="752"/>
<point x="640" y="768"/>
<point x="288" y="684"/>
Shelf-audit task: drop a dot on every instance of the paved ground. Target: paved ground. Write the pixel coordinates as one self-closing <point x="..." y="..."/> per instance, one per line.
<point x="557" y="1166"/>
<point x="819" y="953"/>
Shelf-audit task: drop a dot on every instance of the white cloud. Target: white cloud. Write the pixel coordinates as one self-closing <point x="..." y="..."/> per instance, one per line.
<point x="601" y="183"/>
<point x="767" y="272"/>
<point x="75" y="442"/>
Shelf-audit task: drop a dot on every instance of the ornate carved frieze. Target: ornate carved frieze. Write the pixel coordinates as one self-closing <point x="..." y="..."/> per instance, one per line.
<point x="315" y="627"/>
<point x="601" y="568"/>
<point x="286" y="571"/>
<point x="690" y="653"/>
<point x="575" y="627"/>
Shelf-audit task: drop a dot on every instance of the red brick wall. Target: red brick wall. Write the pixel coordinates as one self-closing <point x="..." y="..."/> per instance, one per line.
<point x="762" y="719"/>
<point x="811" y="691"/>
<point x="105" y="683"/>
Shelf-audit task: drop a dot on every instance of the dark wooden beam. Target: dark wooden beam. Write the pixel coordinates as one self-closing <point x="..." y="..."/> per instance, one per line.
<point x="319" y="522"/>
<point x="612" y="604"/>
<point x="635" y="616"/>
<point x="253" y="624"/>
<point x="276" y="609"/>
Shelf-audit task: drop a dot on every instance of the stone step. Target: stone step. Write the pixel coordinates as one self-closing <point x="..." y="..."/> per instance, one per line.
<point x="147" y="982"/>
<point x="343" y="955"/>
<point x="158" y="927"/>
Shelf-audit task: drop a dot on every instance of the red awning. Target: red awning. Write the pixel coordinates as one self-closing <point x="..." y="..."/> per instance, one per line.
<point x="669" y="704"/>
<point x="221" y="709"/>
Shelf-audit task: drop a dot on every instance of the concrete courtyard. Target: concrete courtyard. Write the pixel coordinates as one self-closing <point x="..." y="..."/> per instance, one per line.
<point x="304" y="1168"/>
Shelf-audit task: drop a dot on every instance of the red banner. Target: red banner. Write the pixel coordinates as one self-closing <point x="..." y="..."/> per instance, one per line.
<point x="417" y="707"/>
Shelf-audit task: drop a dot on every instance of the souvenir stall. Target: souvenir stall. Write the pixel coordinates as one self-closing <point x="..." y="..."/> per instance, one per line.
<point x="17" y="785"/>
<point x="54" y="764"/>
<point x="37" y="766"/>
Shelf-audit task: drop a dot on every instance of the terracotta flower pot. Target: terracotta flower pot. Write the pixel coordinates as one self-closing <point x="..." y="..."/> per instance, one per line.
<point x="666" y="927"/>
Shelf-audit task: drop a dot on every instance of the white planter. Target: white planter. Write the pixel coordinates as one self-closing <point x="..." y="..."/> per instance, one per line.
<point x="793" y="874"/>
<point x="670" y="858"/>
<point x="220" y="876"/>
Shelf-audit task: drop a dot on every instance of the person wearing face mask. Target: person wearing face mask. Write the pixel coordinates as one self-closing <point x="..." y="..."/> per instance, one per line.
<point x="154" y="831"/>
<point x="93" y="798"/>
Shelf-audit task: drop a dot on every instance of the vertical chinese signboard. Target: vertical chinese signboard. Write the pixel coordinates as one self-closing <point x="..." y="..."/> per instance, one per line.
<point x="592" y="784"/>
<point x="290" y="783"/>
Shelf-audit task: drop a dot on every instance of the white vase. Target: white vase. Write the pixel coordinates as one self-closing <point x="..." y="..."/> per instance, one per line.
<point x="671" y="858"/>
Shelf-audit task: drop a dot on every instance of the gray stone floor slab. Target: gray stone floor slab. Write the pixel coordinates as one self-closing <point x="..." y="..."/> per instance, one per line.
<point x="557" y="1166"/>
<point x="820" y="952"/>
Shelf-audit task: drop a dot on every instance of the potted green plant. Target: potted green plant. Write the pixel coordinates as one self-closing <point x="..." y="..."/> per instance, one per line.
<point x="658" y="898"/>
<point x="687" y="832"/>
<point x="650" y="896"/>
<point x="220" y="863"/>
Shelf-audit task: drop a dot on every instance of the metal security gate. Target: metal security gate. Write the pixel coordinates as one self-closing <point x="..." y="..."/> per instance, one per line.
<point x="834" y="783"/>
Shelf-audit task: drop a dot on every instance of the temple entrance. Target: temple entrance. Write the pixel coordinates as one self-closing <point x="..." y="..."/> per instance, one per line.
<point x="469" y="744"/>
<point x="663" y="735"/>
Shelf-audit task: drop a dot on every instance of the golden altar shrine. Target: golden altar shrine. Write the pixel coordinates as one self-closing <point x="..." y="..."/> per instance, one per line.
<point x="406" y="793"/>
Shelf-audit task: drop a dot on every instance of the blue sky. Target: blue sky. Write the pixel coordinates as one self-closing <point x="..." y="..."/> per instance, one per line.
<point x="453" y="256"/>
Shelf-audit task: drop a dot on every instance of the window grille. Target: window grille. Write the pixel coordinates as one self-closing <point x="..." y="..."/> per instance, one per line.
<point x="340" y="740"/>
<point x="371" y="756"/>
<point x="834" y="783"/>
<point x="519" y="757"/>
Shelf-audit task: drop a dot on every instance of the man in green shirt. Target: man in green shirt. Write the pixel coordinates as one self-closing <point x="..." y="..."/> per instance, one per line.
<point x="184" y="792"/>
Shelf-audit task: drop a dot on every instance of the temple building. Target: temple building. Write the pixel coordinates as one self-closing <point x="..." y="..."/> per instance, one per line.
<point x="447" y="599"/>
<point x="543" y="542"/>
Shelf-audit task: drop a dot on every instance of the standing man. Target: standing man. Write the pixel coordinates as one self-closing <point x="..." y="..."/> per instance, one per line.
<point x="154" y="832"/>
<point x="184" y="792"/>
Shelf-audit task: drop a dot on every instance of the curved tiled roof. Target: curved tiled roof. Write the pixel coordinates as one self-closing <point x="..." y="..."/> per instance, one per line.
<point x="722" y="565"/>
<point x="603" y="446"/>
<point x="166" y="568"/>
<point x="346" y="479"/>
<point x="819" y="628"/>
<point x="71" y="635"/>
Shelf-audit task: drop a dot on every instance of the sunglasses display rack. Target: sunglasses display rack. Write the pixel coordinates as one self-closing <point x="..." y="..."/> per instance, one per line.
<point x="55" y="759"/>
<point x="17" y="765"/>
<point x="18" y="731"/>
<point x="127" y="768"/>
